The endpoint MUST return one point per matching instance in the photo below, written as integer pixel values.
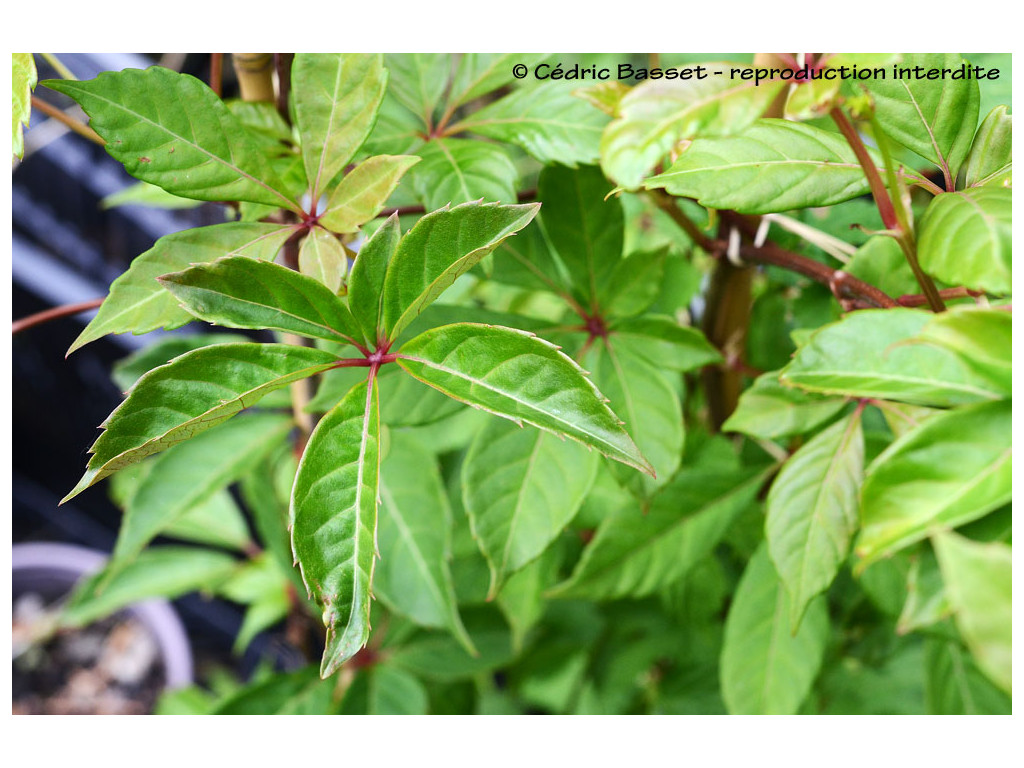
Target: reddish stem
(53, 314)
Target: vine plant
(854, 527)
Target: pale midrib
(800, 379)
(407, 536)
(289, 204)
(759, 164)
(517, 510)
(834, 465)
(144, 449)
(572, 429)
(324, 145)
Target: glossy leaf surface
(138, 303)
(966, 238)
(772, 166)
(455, 171)
(657, 115)
(191, 394)
(441, 247)
(334, 520)
(934, 119)
(171, 130)
(323, 258)
(241, 293)
(872, 353)
(520, 377)
(548, 121)
(991, 159)
(952, 469)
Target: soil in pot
(111, 667)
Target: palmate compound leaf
(334, 520)
(441, 247)
(241, 293)
(193, 393)
(139, 304)
(171, 130)
(521, 377)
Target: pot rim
(157, 615)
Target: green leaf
(166, 572)
(171, 130)
(635, 283)
(965, 238)
(635, 553)
(478, 74)
(193, 393)
(398, 131)
(765, 668)
(366, 283)
(954, 686)
(520, 377)
(880, 262)
(982, 338)
(774, 165)
(769, 410)
(261, 586)
(241, 293)
(441, 247)
(979, 584)
(548, 121)
(189, 474)
(990, 162)
(647, 402)
(437, 656)
(655, 116)
(521, 488)
(814, 98)
(23, 80)
(361, 195)
(926, 603)
(218, 521)
(282, 693)
(934, 118)
(952, 469)
(414, 538)
(323, 258)
(866, 354)
(418, 81)
(138, 303)
(529, 261)
(606, 95)
(334, 520)
(384, 689)
(336, 97)
(130, 369)
(665, 343)
(584, 228)
(141, 193)
(811, 512)
(454, 171)
(522, 600)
